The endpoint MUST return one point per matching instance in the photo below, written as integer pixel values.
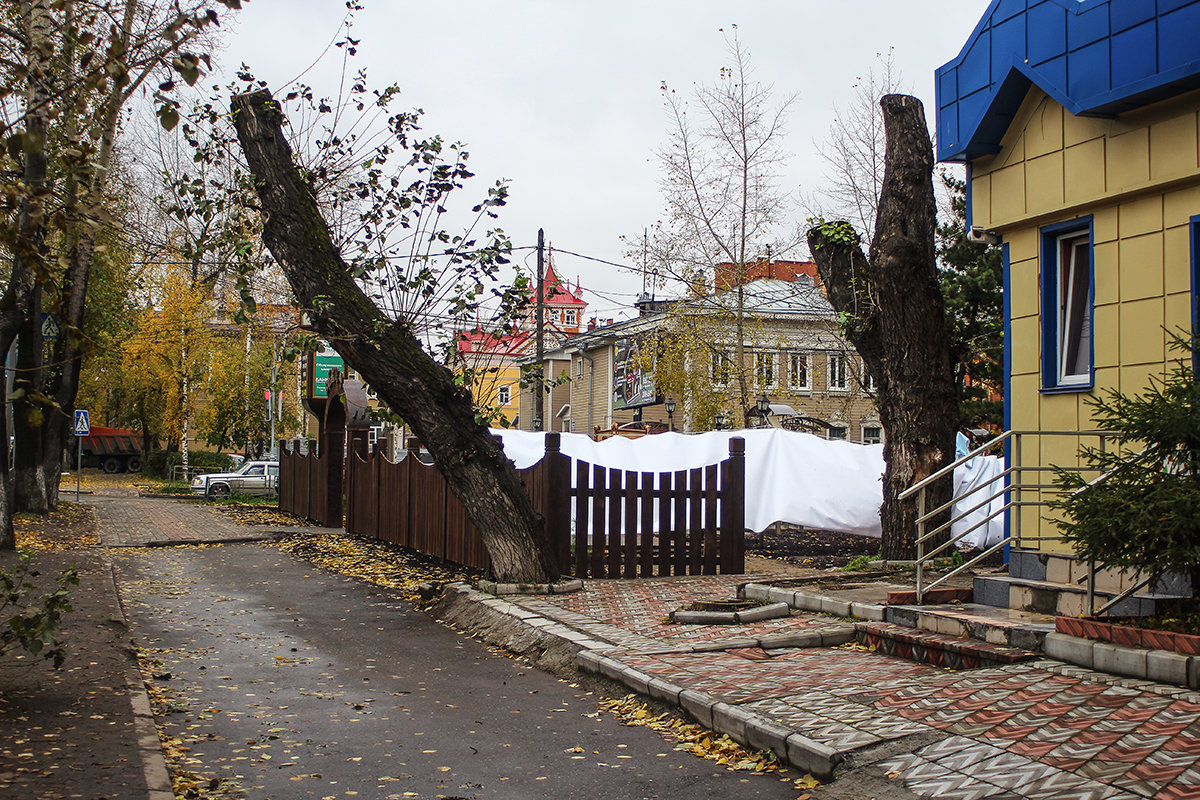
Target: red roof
(725, 276)
(480, 341)
(558, 293)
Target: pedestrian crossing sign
(83, 425)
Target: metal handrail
(1013, 486)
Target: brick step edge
(937, 649)
(933, 597)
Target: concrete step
(1060, 599)
(1007, 627)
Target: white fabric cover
(974, 482)
(791, 477)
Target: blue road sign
(83, 426)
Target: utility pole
(538, 390)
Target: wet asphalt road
(284, 681)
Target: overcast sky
(562, 96)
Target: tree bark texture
(892, 308)
(387, 354)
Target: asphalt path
(281, 680)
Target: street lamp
(764, 408)
(722, 421)
(671, 413)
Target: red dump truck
(112, 449)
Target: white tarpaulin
(796, 478)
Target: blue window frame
(1067, 273)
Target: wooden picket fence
(606, 523)
(303, 482)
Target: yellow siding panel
(1142, 215)
(1181, 205)
(1060, 412)
(1082, 129)
(1084, 170)
(1135, 379)
(1173, 147)
(1104, 224)
(1107, 379)
(981, 201)
(1177, 260)
(1008, 194)
(1106, 289)
(1025, 333)
(1044, 183)
(1024, 402)
(1106, 330)
(1128, 160)
(1043, 132)
(1141, 267)
(1178, 313)
(1141, 332)
(1023, 285)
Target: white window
(504, 395)
(719, 367)
(579, 367)
(764, 370)
(1074, 309)
(838, 372)
(868, 380)
(872, 434)
(798, 372)
(570, 317)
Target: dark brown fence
(304, 486)
(624, 524)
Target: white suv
(253, 478)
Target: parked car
(256, 478)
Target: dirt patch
(806, 547)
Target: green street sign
(324, 360)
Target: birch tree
(720, 182)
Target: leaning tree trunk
(387, 354)
(895, 317)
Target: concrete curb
(807, 601)
(154, 763)
(746, 728)
(1160, 666)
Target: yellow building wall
(1139, 178)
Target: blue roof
(1094, 57)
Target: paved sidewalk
(1038, 729)
(153, 521)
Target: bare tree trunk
(387, 354)
(895, 317)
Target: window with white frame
(720, 367)
(868, 380)
(504, 395)
(764, 369)
(570, 318)
(872, 434)
(579, 367)
(799, 370)
(839, 373)
(1067, 305)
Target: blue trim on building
(1194, 227)
(1006, 274)
(1048, 312)
(1094, 57)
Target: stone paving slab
(1038, 729)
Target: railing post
(733, 509)
(1018, 504)
(921, 546)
